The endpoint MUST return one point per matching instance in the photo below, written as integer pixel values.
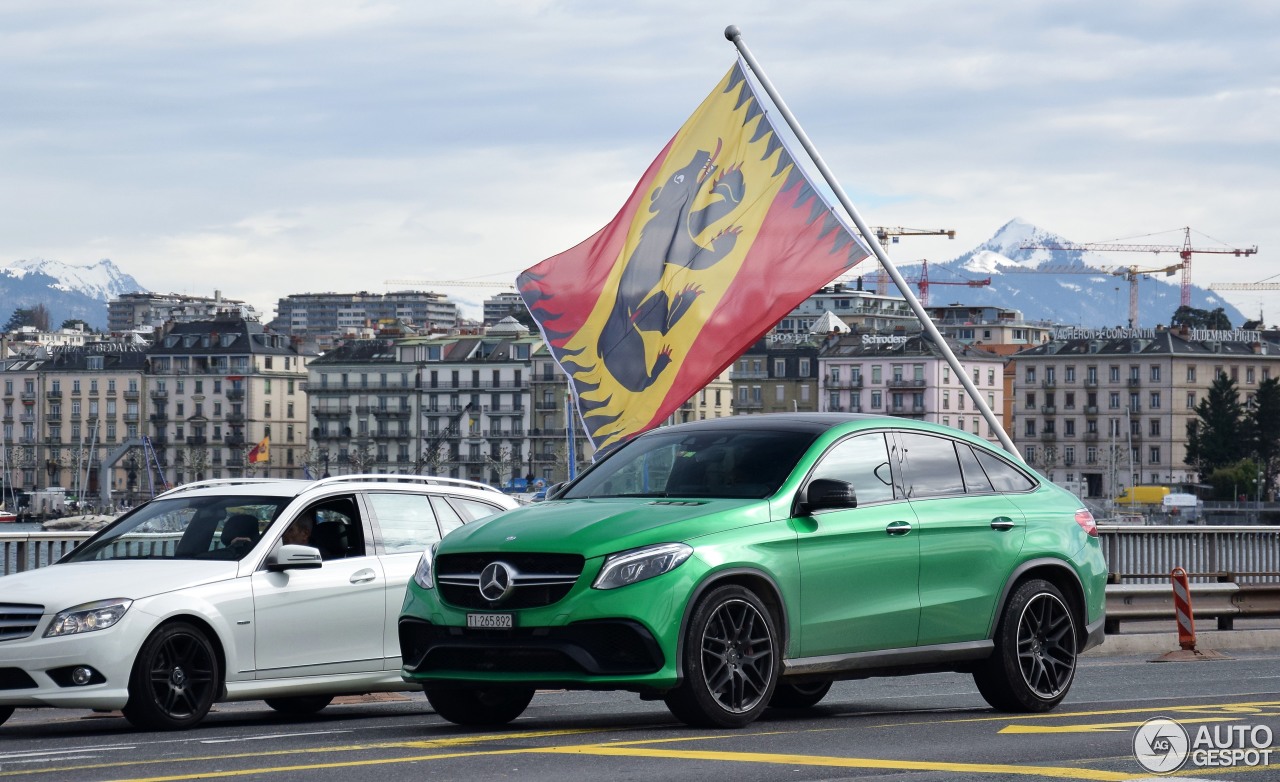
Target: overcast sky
(270, 147)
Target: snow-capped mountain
(1072, 295)
(67, 290)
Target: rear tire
(300, 705)
(175, 679)
(1035, 656)
(798, 696)
(731, 661)
(480, 706)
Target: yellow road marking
(1098, 727)
(424, 744)
(1255, 708)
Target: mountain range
(1078, 291)
(68, 291)
(1088, 296)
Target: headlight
(88, 617)
(423, 576)
(628, 567)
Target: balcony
(387, 412)
(235, 394)
(28, 396)
(131, 418)
(1048, 409)
(235, 418)
(55, 393)
(1048, 436)
(159, 418)
(159, 393)
(233, 440)
(749, 374)
(159, 440)
(1091, 437)
(1091, 382)
(900, 383)
(1133, 382)
(1091, 410)
(748, 404)
(340, 411)
(1049, 384)
(131, 394)
(197, 439)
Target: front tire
(731, 661)
(175, 679)
(1034, 662)
(300, 705)
(480, 706)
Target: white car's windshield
(747, 463)
(209, 527)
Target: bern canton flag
(722, 237)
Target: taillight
(1085, 519)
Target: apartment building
(905, 374)
(1109, 408)
(216, 389)
(778, 374)
(150, 311)
(325, 317)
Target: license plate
(501, 621)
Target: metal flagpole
(735, 36)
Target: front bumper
(623, 638)
(34, 671)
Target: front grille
(15, 679)
(609, 647)
(18, 620)
(541, 579)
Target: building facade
(326, 317)
(215, 389)
(904, 374)
(151, 311)
(1109, 408)
(778, 374)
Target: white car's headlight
(86, 618)
(423, 575)
(628, 567)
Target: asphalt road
(913, 729)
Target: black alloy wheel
(175, 679)
(1034, 662)
(731, 661)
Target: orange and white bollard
(1186, 623)
(1182, 609)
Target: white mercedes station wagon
(286, 591)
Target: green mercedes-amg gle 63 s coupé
(736, 564)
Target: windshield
(747, 463)
(222, 527)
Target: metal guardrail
(30, 550)
(1146, 554)
(1223, 602)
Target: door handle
(898, 528)
(1002, 523)
(363, 576)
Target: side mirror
(554, 489)
(293, 557)
(825, 493)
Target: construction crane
(1184, 251)
(922, 283)
(886, 236)
(1245, 286)
(453, 284)
(1131, 273)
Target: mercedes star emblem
(496, 581)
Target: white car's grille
(18, 621)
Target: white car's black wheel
(300, 705)
(480, 706)
(1035, 656)
(798, 696)
(731, 661)
(175, 679)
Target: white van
(1186, 505)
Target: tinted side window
(932, 467)
(864, 462)
(1004, 476)
(406, 521)
(975, 480)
